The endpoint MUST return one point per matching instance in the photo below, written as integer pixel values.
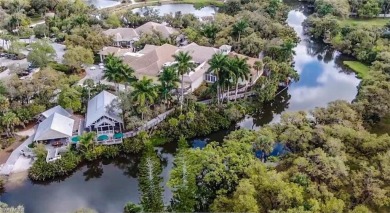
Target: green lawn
(365, 22)
(359, 68)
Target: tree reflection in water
(265, 114)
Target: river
(107, 185)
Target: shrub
(208, 119)
(41, 170)
(136, 144)
(61, 67)
(111, 151)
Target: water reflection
(322, 79)
(105, 185)
(103, 3)
(183, 8)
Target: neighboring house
(55, 132)
(122, 37)
(57, 109)
(125, 37)
(152, 59)
(104, 119)
(151, 27)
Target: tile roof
(199, 53)
(150, 26)
(152, 62)
(122, 34)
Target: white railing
(210, 78)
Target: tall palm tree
(227, 78)
(127, 74)
(87, 140)
(113, 70)
(10, 120)
(145, 93)
(183, 65)
(239, 28)
(168, 79)
(218, 64)
(241, 70)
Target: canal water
(107, 185)
(100, 4)
(183, 8)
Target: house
(125, 37)
(122, 37)
(57, 109)
(151, 60)
(104, 119)
(200, 55)
(151, 27)
(55, 132)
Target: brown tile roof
(152, 62)
(150, 26)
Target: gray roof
(57, 109)
(98, 107)
(122, 34)
(199, 53)
(54, 127)
(149, 27)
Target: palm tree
(168, 80)
(239, 28)
(258, 65)
(183, 65)
(210, 31)
(128, 74)
(227, 77)
(287, 49)
(240, 69)
(87, 140)
(112, 71)
(218, 64)
(145, 92)
(10, 120)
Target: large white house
(104, 119)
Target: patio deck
(111, 139)
(54, 152)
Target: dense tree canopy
(333, 165)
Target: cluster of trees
(22, 100)
(333, 165)
(345, 8)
